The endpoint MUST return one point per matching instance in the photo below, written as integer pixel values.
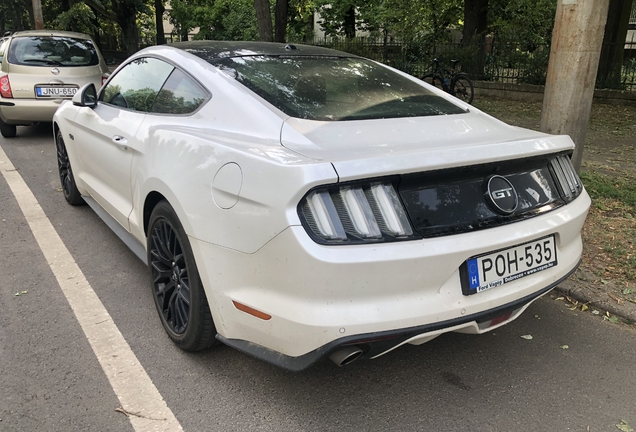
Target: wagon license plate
(507, 265)
(53, 91)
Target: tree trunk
(611, 62)
(159, 10)
(18, 17)
(280, 27)
(475, 27)
(264, 20)
(574, 54)
(350, 23)
(37, 14)
(128, 26)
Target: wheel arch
(152, 199)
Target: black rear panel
(457, 200)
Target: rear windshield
(334, 88)
(52, 51)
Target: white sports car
(298, 203)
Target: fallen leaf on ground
(526, 337)
(624, 426)
(584, 307)
(618, 300)
(564, 347)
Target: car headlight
(356, 213)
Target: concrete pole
(37, 14)
(576, 47)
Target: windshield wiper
(45, 61)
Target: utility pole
(569, 89)
(37, 15)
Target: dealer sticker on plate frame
(497, 268)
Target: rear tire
(176, 285)
(463, 89)
(7, 130)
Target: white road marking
(137, 394)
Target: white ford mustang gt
(298, 203)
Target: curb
(627, 311)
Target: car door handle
(121, 142)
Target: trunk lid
(25, 79)
(370, 148)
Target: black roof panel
(212, 50)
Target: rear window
(334, 88)
(52, 51)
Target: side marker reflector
(251, 311)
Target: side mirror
(86, 96)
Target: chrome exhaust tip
(345, 355)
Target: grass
(609, 234)
(602, 187)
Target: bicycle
(458, 85)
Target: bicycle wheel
(434, 80)
(462, 88)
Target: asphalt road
(52, 381)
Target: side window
(136, 85)
(3, 46)
(179, 95)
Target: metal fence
(494, 60)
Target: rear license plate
(54, 91)
(507, 265)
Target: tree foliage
(215, 19)
(404, 19)
(530, 21)
(14, 15)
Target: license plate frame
(55, 92)
(482, 272)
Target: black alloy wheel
(71, 194)
(178, 292)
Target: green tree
(215, 19)
(526, 21)
(405, 19)
(267, 32)
(125, 13)
(15, 15)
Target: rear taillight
(104, 78)
(355, 213)
(5, 87)
(569, 183)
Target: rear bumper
(376, 344)
(322, 297)
(27, 111)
